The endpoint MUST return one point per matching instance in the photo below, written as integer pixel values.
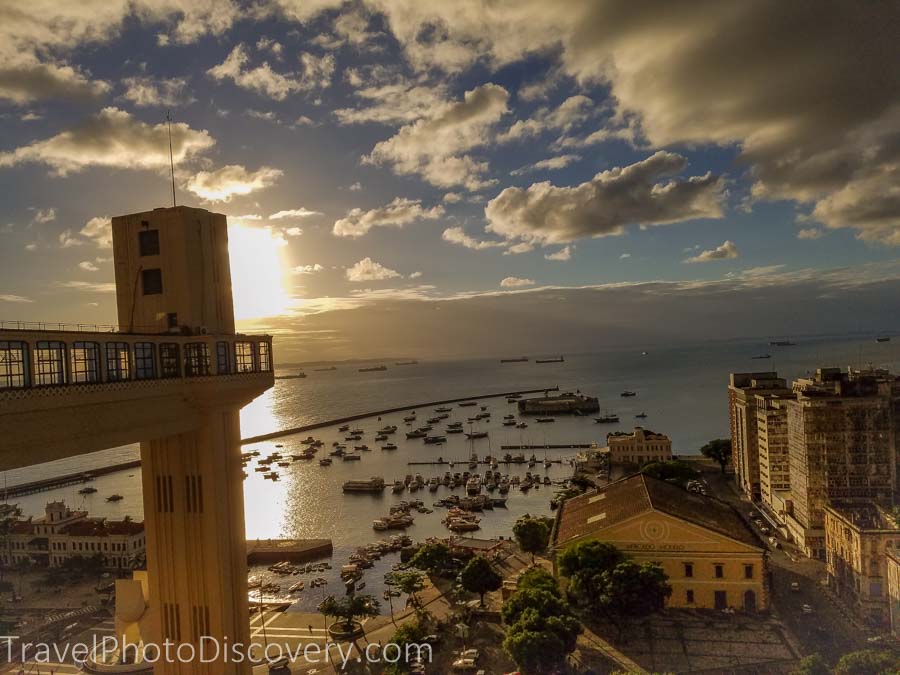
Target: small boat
(389, 446)
(522, 425)
(87, 490)
(762, 356)
(373, 369)
(468, 404)
(416, 434)
(641, 415)
(443, 410)
(509, 423)
(607, 419)
(363, 448)
(345, 427)
(115, 498)
(399, 486)
(545, 420)
(454, 430)
(517, 359)
(559, 360)
(381, 437)
(325, 461)
(627, 393)
(296, 588)
(351, 457)
(411, 362)
(435, 440)
(476, 434)
(883, 338)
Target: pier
(557, 446)
(361, 416)
(480, 461)
(267, 551)
(46, 484)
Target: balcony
(108, 388)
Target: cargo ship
(518, 359)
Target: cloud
(316, 73)
(88, 266)
(415, 275)
(294, 213)
(516, 282)
(294, 231)
(307, 269)
(355, 187)
(389, 98)
(451, 198)
(727, 251)
(564, 253)
(369, 270)
(605, 205)
(14, 298)
(809, 233)
(571, 112)
(44, 215)
(233, 179)
(551, 163)
(112, 138)
(435, 148)
(89, 286)
(399, 212)
(25, 79)
(99, 231)
(145, 91)
(68, 239)
(624, 256)
(521, 247)
(457, 235)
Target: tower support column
(196, 544)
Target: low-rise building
(712, 558)
(638, 447)
(858, 537)
(62, 534)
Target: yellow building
(638, 447)
(712, 558)
(858, 537)
(892, 564)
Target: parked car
(464, 664)
(807, 609)
(795, 586)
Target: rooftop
(866, 515)
(595, 511)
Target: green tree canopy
(432, 557)
(632, 591)
(584, 565)
(674, 471)
(410, 583)
(813, 664)
(479, 576)
(539, 643)
(868, 662)
(532, 534)
(718, 450)
(537, 578)
(545, 602)
(350, 607)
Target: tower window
(196, 359)
(148, 242)
(151, 281)
(85, 362)
(49, 363)
(169, 365)
(118, 361)
(13, 364)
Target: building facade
(892, 564)
(638, 447)
(711, 557)
(774, 457)
(858, 538)
(841, 444)
(744, 390)
(62, 534)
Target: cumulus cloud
(563, 254)
(436, 148)
(727, 251)
(624, 256)
(369, 270)
(388, 97)
(145, 91)
(112, 138)
(307, 269)
(88, 266)
(294, 231)
(549, 164)
(294, 213)
(399, 212)
(233, 179)
(99, 231)
(44, 215)
(516, 282)
(571, 112)
(68, 239)
(638, 194)
(262, 79)
(820, 132)
(457, 235)
(25, 79)
(14, 298)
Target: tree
(479, 576)
(813, 664)
(584, 565)
(532, 535)
(718, 450)
(410, 583)
(349, 608)
(673, 471)
(632, 591)
(537, 578)
(433, 557)
(544, 602)
(408, 634)
(867, 662)
(539, 643)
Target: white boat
(399, 486)
(473, 486)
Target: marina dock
(557, 446)
(263, 551)
(46, 484)
(352, 418)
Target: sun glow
(257, 272)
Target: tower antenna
(171, 160)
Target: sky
(431, 178)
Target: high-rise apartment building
(774, 457)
